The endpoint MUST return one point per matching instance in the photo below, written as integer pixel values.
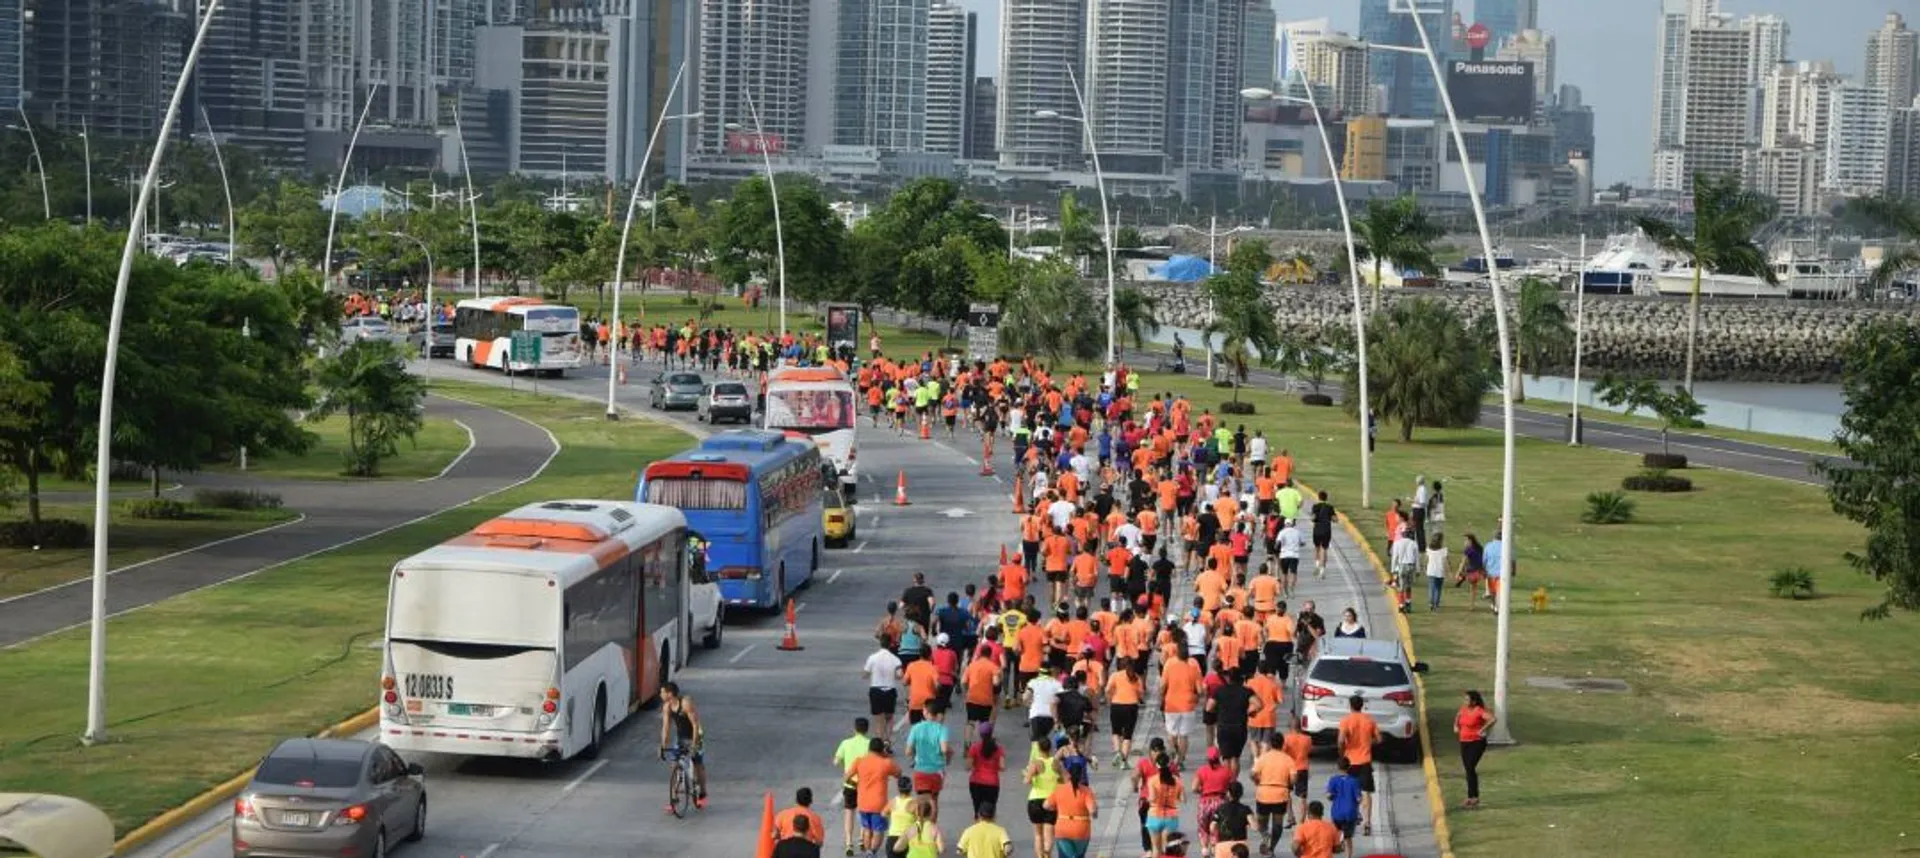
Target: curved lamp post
(1214, 233)
(626, 231)
(1100, 183)
(46, 202)
(426, 352)
(333, 209)
(103, 449)
(86, 154)
(1353, 274)
(773, 192)
(473, 199)
(225, 187)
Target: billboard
(749, 143)
(843, 328)
(1491, 91)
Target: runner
(1316, 837)
(1124, 689)
(982, 680)
(1343, 802)
(870, 774)
(985, 838)
(986, 759)
(1358, 734)
(1231, 822)
(1043, 777)
(1323, 515)
(1180, 686)
(1210, 784)
(1074, 807)
(930, 750)
(1163, 803)
(883, 671)
(850, 751)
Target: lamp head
(1047, 114)
(734, 126)
(1256, 93)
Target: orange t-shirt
(1316, 838)
(816, 830)
(1265, 590)
(1169, 491)
(1272, 776)
(1123, 689)
(1086, 570)
(1268, 690)
(1211, 585)
(1013, 583)
(1264, 487)
(983, 678)
(1358, 733)
(1221, 554)
(871, 774)
(922, 680)
(1149, 522)
(1074, 808)
(1180, 685)
(1117, 559)
(1298, 745)
(1033, 647)
(1227, 510)
(1057, 549)
(1279, 629)
(1227, 649)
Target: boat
(1626, 265)
(1502, 260)
(1799, 276)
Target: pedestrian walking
(1471, 725)
(883, 671)
(1436, 563)
(986, 759)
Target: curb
(1436, 801)
(169, 820)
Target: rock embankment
(1740, 339)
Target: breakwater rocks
(1740, 339)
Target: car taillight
(549, 707)
(1315, 692)
(243, 808)
(1404, 698)
(351, 816)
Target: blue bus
(752, 498)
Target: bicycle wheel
(679, 790)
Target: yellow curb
(1436, 801)
(167, 821)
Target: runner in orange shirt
(1358, 735)
(1086, 575)
(983, 679)
(1124, 688)
(1316, 838)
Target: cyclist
(681, 721)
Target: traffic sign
(1478, 36)
(983, 331)
(525, 347)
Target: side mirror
(416, 770)
(1419, 667)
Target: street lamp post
(1100, 184)
(86, 155)
(26, 124)
(340, 184)
(1501, 733)
(1579, 333)
(1213, 235)
(773, 192)
(473, 204)
(626, 230)
(426, 350)
(103, 447)
(225, 186)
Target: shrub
(1231, 407)
(52, 533)
(1223, 383)
(1608, 508)
(129, 472)
(162, 509)
(1320, 400)
(1656, 480)
(1664, 461)
(241, 499)
(1794, 583)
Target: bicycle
(682, 786)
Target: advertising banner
(1491, 91)
(983, 331)
(843, 328)
(749, 143)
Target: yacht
(1799, 276)
(1626, 265)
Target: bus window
(689, 493)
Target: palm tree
(1051, 314)
(1725, 217)
(1243, 322)
(1540, 330)
(1902, 216)
(1424, 368)
(1135, 314)
(1396, 231)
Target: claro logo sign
(1472, 68)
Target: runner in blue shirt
(928, 747)
(1343, 799)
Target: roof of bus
(734, 454)
(806, 373)
(509, 302)
(566, 539)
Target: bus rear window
(697, 494)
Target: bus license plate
(459, 709)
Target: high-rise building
(1294, 36)
(1790, 174)
(881, 75)
(105, 63)
(1540, 49)
(1572, 121)
(1505, 19)
(1259, 45)
(950, 38)
(982, 119)
(1669, 75)
(1126, 83)
(1766, 48)
(1203, 84)
(1365, 158)
(1893, 60)
(1857, 140)
(1411, 89)
(1039, 41)
(1903, 151)
(1717, 100)
(1798, 104)
(13, 52)
(1337, 66)
(249, 88)
(1670, 169)
(753, 60)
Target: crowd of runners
(1147, 592)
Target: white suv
(1376, 670)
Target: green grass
(1591, 412)
(23, 570)
(201, 685)
(1755, 726)
(439, 441)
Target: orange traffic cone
(900, 490)
(622, 371)
(1019, 489)
(763, 847)
(790, 643)
(1003, 554)
(986, 458)
(926, 429)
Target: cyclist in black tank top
(680, 721)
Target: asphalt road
(774, 717)
(506, 451)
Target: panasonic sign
(1463, 67)
(1496, 92)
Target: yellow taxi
(836, 518)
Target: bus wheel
(599, 724)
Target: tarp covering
(1183, 269)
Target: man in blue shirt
(1492, 554)
(1343, 800)
(927, 746)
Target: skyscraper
(1798, 104)
(1126, 83)
(881, 75)
(1857, 140)
(1203, 84)
(950, 40)
(1337, 66)
(753, 53)
(982, 119)
(1411, 89)
(1766, 48)
(13, 56)
(1717, 102)
(1893, 60)
(1040, 40)
(1542, 51)
(110, 63)
(1259, 45)
(1294, 36)
(1903, 152)
(1505, 19)
(250, 83)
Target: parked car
(329, 797)
(837, 520)
(726, 400)
(675, 390)
(364, 328)
(438, 344)
(1374, 670)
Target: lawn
(131, 540)
(1754, 726)
(201, 685)
(438, 443)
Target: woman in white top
(1349, 626)
(1436, 563)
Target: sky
(1606, 47)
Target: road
(506, 451)
(775, 717)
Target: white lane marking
(741, 654)
(835, 576)
(488, 852)
(837, 799)
(799, 606)
(590, 772)
(863, 543)
(471, 443)
(132, 566)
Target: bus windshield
(810, 410)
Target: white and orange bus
(483, 331)
(537, 632)
(818, 403)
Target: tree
(369, 383)
(1874, 485)
(1424, 368)
(1128, 238)
(1079, 231)
(286, 224)
(1250, 257)
(1541, 333)
(1676, 410)
(1725, 217)
(1051, 313)
(1243, 322)
(1397, 231)
(1135, 315)
(745, 246)
(1901, 216)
